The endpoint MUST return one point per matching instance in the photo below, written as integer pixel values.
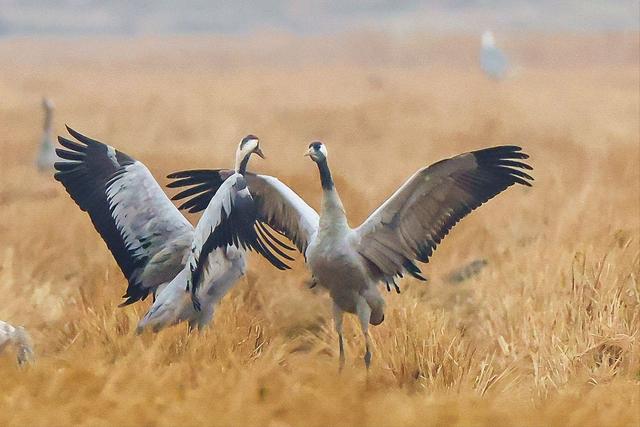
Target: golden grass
(547, 334)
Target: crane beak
(259, 152)
(307, 153)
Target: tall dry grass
(547, 334)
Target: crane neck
(241, 166)
(48, 119)
(325, 175)
(332, 212)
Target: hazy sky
(310, 17)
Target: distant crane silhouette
(47, 152)
(492, 60)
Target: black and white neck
(325, 175)
(248, 146)
(332, 214)
(241, 167)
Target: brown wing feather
(415, 219)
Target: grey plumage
(212, 268)
(156, 248)
(148, 237)
(409, 225)
(216, 258)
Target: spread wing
(229, 219)
(413, 221)
(128, 208)
(277, 205)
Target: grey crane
(217, 259)
(149, 238)
(407, 227)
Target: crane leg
(364, 315)
(337, 318)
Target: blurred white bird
(47, 152)
(492, 61)
(19, 338)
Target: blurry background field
(546, 334)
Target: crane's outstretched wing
(277, 205)
(413, 221)
(144, 231)
(229, 219)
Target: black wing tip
(500, 159)
(252, 238)
(134, 293)
(180, 174)
(271, 244)
(195, 204)
(413, 270)
(501, 150)
(203, 185)
(128, 301)
(77, 135)
(257, 245)
(65, 166)
(265, 228)
(191, 172)
(237, 228)
(61, 151)
(523, 182)
(80, 138)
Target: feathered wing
(413, 221)
(144, 231)
(229, 219)
(277, 205)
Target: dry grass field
(547, 334)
